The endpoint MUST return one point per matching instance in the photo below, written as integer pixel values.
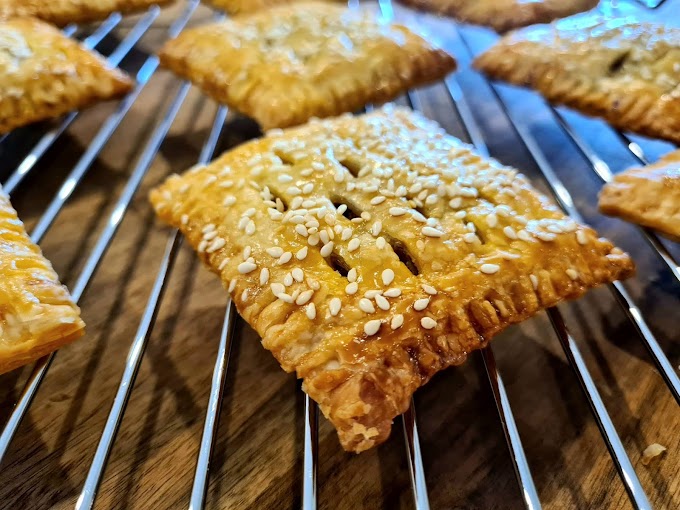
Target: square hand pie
(287, 64)
(37, 315)
(620, 69)
(649, 195)
(63, 12)
(235, 7)
(371, 252)
(44, 74)
(504, 15)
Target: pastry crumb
(651, 452)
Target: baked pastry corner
(504, 15)
(285, 65)
(620, 69)
(648, 195)
(371, 252)
(37, 315)
(44, 74)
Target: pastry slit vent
(281, 204)
(352, 165)
(479, 232)
(285, 157)
(349, 212)
(339, 264)
(617, 64)
(404, 255)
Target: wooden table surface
(257, 461)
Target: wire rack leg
(311, 455)
(415, 459)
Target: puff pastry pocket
(504, 15)
(37, 315)
(371, 252)
(44, 74)
(649, 196)
(63, 12)
(621, 69)
(235, 7)
(287, 64)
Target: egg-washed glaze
(370, 252)
(63, 12)
(504, 15)
(235, 7)
(44, 74)
(37, 315)
(649, 195)
(623, 70)
(287, 64)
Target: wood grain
(258, 456)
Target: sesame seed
(285, 258)
(250, 212)
(275, 251)
(302, 253)
(524, 235)
(308, 188)
(372, 327)
(460, 215)
(294, 190)
(335, 305)
(428, 322)
(223, 264)
(304, 297)
(397, 211)
(581, 237)
(545, 236)
(393, 292)
(317, 165)
(418, 216)
(509, 232)
(366, 306)
(285, 178)
(378, 200)
(491, 220)
(208, 228)
(397, 321)
(370, 294)
(382, 303)
(310, 311)
(243, 222)
(250, 228)
(366, 216)
(376, 228)
(431, 199)
(264, 276)
(455, 203)
(209, 236)
(302, 230)
(274, 214)
(470, 238)
(246, 252)
(244, 295)
(286, 298)
(534, 281)
(216, 245)
(246, 267)
(325, 238)
(432, 232)
(421, 304)
(327, 249)
(342, 208)
(352, 288)
(298, 274)
(313, 239)
(490, 268)
(296, 219)
(352, 275)
(232, 285)
(380, 243)
(387, 276)
(288, 280)
(572, 273)
(277, 288)
(346, 233)
(354, 244)
(429, 289)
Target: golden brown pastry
(63, 12)
(235, 7)
(37, 315)
(371, 252)
(504, 15)
(287, 64)
(649, 195)
(44, 74)
(623, 70)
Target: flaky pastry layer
(649, 196)
(63, 12)
(504, 15)
(620, 69)
(37, 315)
(44, 74)
(284, 65)
(370, 252)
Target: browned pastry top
(44, 74)
(63, 12)
(37, 315)
(284, 65)
(649, 195)
(621, 69)
(235, 7)
(370, 252)
(504, 15)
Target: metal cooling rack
(410, 428)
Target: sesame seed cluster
(355, 240)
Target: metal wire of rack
(146, 325)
